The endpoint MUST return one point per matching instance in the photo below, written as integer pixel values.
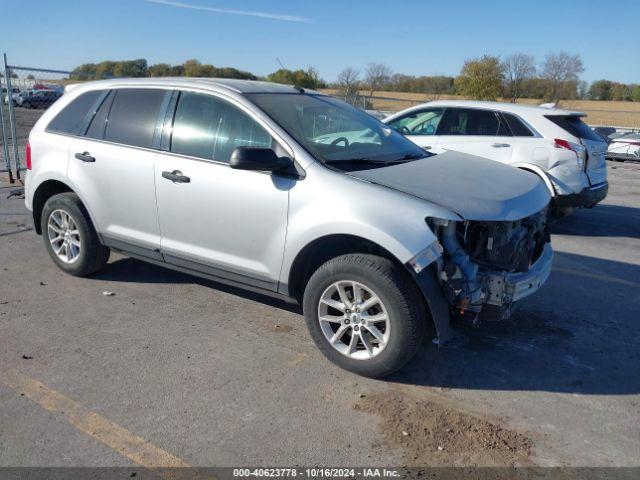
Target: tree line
(191, 68)
(489, 77)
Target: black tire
(400, 296)
(93, 255)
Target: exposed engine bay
(487, 266)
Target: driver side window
(421, 122)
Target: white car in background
(625, 147)
(553, 143)
(18, 99)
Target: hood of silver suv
(473, 187)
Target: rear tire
(69, 236)
(365, 314)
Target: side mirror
(259, 159)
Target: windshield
(335, 132)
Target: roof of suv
(505, 107)
(232, 84)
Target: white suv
(553, 143)
(259, 185)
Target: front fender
(393, 220)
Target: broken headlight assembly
(491, 263)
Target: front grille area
(505, 246)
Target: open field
(620, 114)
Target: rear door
(475, 131)
(113, 168)
(420, 126)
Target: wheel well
(44, 192)
(324, 249)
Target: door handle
(176, 176)
(428, 147)
(500, 145)
(85, 157)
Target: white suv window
(71, 117)
(473, 121)
(133, 116)
(421, 122)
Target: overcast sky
(417, 37)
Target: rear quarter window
(575, 126)
(71, 117)
(518, 128)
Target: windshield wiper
(414, 156)
(360, 160)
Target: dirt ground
(431, 433)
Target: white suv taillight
(579, 150)
(27, 156)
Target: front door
(214, 219)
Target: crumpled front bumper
(503, 288)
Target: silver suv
(291, 193)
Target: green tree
(480, 78)
(600, 90)
(300, 78)
(131, 68)
(635, 93)
(160, 70)
(620, 92)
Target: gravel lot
(210, 375)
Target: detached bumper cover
(588, 197)
(506, 288)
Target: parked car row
(32, 98)
(382, 231)
(623, 145)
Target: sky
(416, 37)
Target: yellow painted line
(595, 276)
(130, 446)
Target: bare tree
(376, 76)
(348, 82)
(517, 68)
(559, 69)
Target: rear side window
(71, 117)
(471, 121)
(518, 128)
(575, 126)
(133, 116)
(207, 127)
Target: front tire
(69, 236)
(365, 314)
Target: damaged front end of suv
(487, 266)
(492, 250)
